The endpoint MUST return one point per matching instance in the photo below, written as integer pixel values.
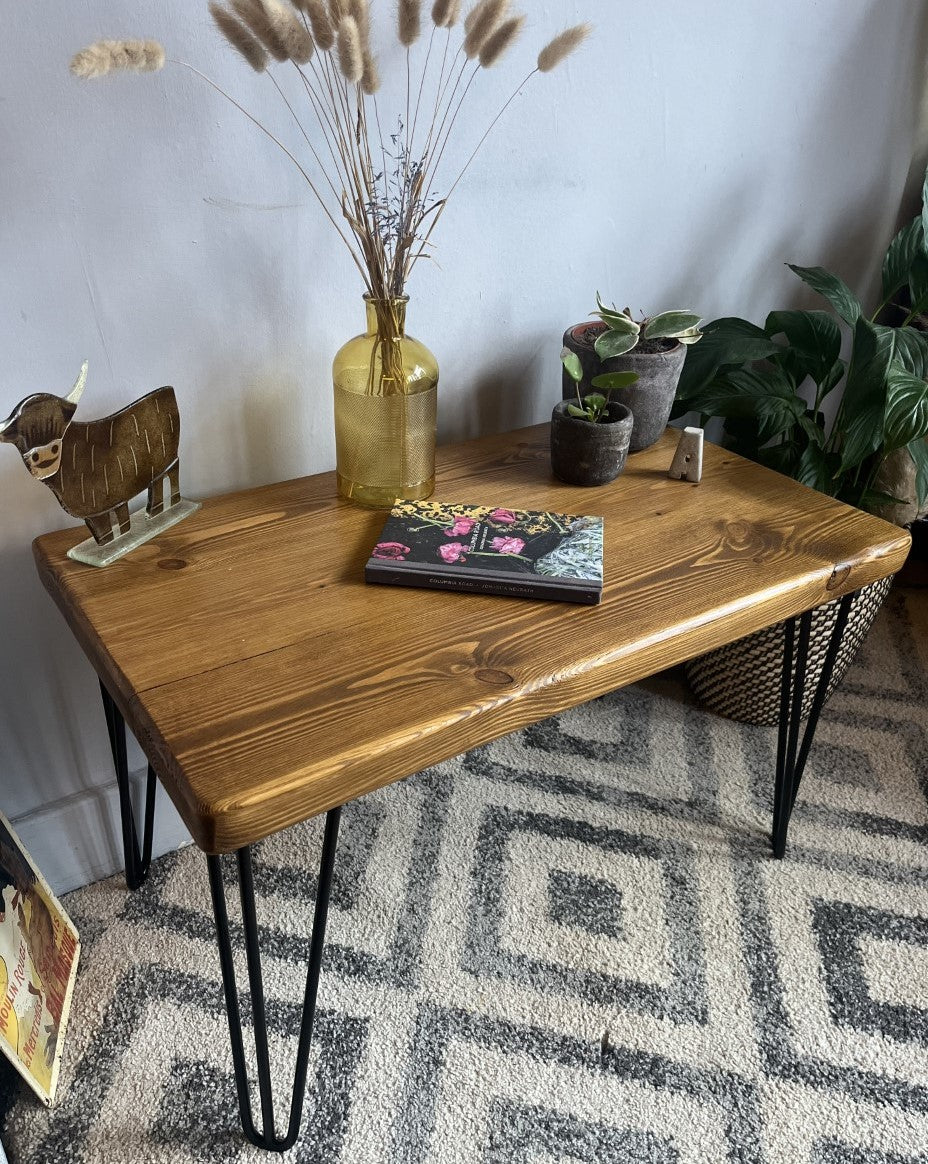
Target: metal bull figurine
(95, 468)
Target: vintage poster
(39, 948)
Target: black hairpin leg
(791, 754)
(267, 1137)
(136, 861)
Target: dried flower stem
(385, 212)
(280, 145)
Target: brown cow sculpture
(95, 468)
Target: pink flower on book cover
(393, 551)
(503, 517)
(508, 545)
(462, 526)
(452, 552)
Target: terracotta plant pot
(658, 364)
(584, 453)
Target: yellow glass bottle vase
(386, 395)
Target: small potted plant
(590, 438)
(653, 348)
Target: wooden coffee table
(267, 683)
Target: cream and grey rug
(569, 947)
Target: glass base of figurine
(142, 529)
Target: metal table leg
(791, 755)
(136, 861)
(267, 1138)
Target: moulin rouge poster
(39, 949)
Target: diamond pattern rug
(571, 946)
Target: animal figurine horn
(95, 468)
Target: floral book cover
(39, 949)
(486, 550)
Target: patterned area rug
(570, 947)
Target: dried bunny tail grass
(410, 21)
(499, 41)
(107, 56)
(255, 15)
(338, 9)
(319, 22)
(361, 11)
(446, 13)
(350, 56)
(487, 15)
(239, 37)
(562, 46)
(293, 33)
(370, 79)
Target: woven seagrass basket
(742, 680)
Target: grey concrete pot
(583, 453)
(650, 399)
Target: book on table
(485, 549)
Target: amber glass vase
(386, 391)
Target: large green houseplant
(769, 384)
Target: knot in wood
(839, 576)
(494, 678)
(172, 564)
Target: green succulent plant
(623, 333)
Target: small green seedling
(593, 407)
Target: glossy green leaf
(614, 380)
(906, 409)
(833, 378)
(815, 431)
(764, 396)
(670, 324)
(918, 284)
(864, 405)
(575, 410)
(908, 244)
(918, 450)
(874, 499)
(620, 323)
(725, 342)
(815, 469)
(910, 350)
(615, 343)
(595, 400)
(617, 320)
(571, 362)
(835, 290)
(814, 339)
(784, 457)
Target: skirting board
(77, 840)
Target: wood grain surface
(267, 682)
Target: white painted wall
(680, 161)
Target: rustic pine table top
(268, 683)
